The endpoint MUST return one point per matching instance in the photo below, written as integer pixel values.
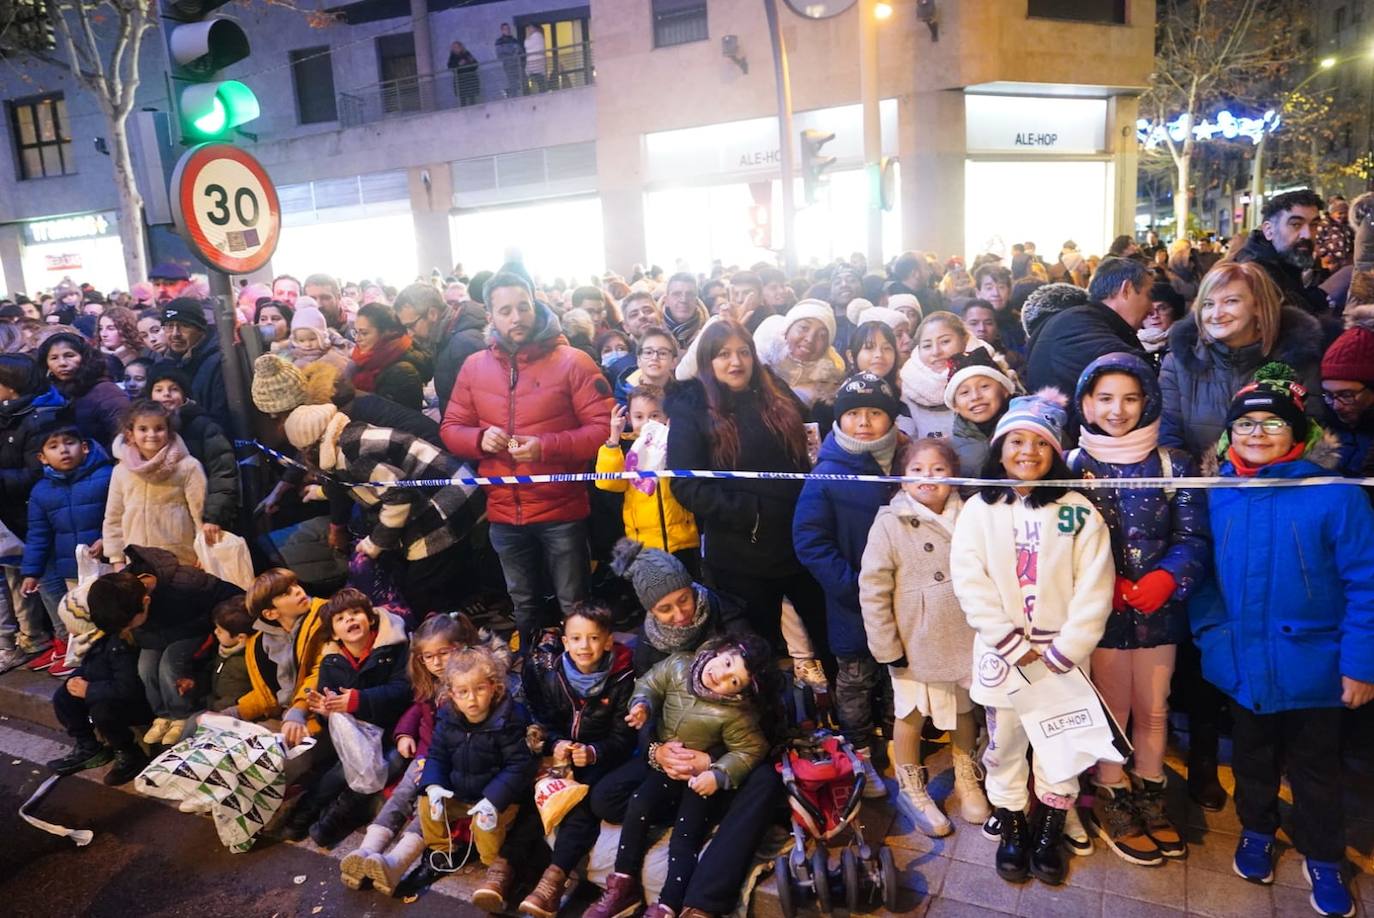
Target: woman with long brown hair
(737, 416)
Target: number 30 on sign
(226, 207)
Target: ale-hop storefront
(85, 248)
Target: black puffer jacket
(208, 444)
(464, 337)
(382, 680)
(491, 759)
(1288, 277)
(204, 366)
(597, 720)
(110, 667)
(745, 525)
(20, 420)
(182, 599)
(1065, 344)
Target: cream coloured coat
(162, 504)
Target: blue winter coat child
(829, 532)
(491, 759)
(1291, 608)
(66, 509)
(1151, 528)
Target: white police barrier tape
(1205, 483)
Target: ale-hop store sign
(1034, 125)
(62, 229)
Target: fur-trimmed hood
(1324, 453)
(1299, 343)
(1360, 317)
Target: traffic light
(199, 46)
(813, 163)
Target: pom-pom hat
(1044, 413)
(865, 390)
(977, 362)
(1276, 391)
(278, 386)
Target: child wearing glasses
(1286, 628)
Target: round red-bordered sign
(226, 207)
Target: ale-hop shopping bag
(1069, 727)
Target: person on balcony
(466, 83)
(508, 51)
(536, 60)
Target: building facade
(633, 138)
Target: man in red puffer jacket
(530, 405)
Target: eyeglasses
(436, 656)
(1344, 397)
(1270, 426)
(656, 353)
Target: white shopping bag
(88, 568)
(359, 747)
(1069, 727)
(227, 559)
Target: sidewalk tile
(920, 873)
(1092, 872)
(970, 846)
(1226, 895)
(1289, 901)
(979, 884)
(953, 908)
(1038, 900)
(1118, 907)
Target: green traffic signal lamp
(211, 110)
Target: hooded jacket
(490, 760)
(462, 338)
(1198, 379)
(597, 720)
(110, 668)
(182, 599)
(657, 519)
(1151, 529)
(207, 443)
(1288, 278)
(830, 530)
(381, 679)
(20, 421)
(265, 697)
(1291, 608)
(545, 389)
(157, 502)
(66, 509)
(204, 366)
(99, 411)
(1067, 342)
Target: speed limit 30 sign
(226, 207)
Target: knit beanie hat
(171, 374)
(977, 362)
(305, 425)
(654, 573)
(277, 385)
(886, 315)
(855, 310)
(1277, 391)
(813, 309)
(1043, 413)
(865, 390)
(1047, 301)
(901, 301)
(1351, 356)
(186, 310)
(308, 315)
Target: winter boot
(88, 754)
(874, 788)
(810, 673)
(353, 868)
(1118, 823)
(914, 800)
(1149, 803)
(1013, 852)
(154, 735)
(491, 893)
(1047, 845)
(622, 896)
(339, 818)
(127, 764)
(973, 802)
(386, 870)
(659, 910)
(546, 898)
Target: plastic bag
(556, 792)
(227, 559)
(359, 746)
(88, 568)
(1068, 725)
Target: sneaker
(44, 659)
(1254, 860)
(914, 800)
(1119, 825)
(154, 735)
(9, 659)
(992, 827)
(127, 765)
(874, 788)
(1149, 803)
(1076, 838)
(84, 757)
(60, 668)
(1329, 895)
(811, 673)
(174, 731)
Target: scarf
(686, 331)
(674, 638)
(1153, 339)
(1246, 470)
(881, 449)
(699, 689)
(370, 363)
(157, 468)
(923, 386)
(1124, 450)
(585, 685)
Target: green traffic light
(211, 109)
(213, 121)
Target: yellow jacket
(657, 519)
(261, 702)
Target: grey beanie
(1048, 301)
(654, 573)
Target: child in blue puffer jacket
(1286, 629)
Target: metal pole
(873, 135)
(235, 380)
(786, 137)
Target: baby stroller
(824, 780)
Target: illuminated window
(42, 136)
(677, 22)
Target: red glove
(1152, 591)
(1120, 591)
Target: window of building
(312, 73)
(677, 22)
(1340, 20)
(399, 72)
(567, 44)
(1111, 12)
(42, 136)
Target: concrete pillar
(431, 190)
(619, 167)
(931, 148)
(11, 258)
(1122, 112)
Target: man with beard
(846, 283)
(1283, 246)
(170, 280)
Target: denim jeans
(160, 669)
(526, 553)
(51, 589)
(20, 616)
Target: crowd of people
(903, 608)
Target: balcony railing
(565, 67)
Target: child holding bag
(916, 628)
(157, 491)
(1033, 571)
(1160, 544)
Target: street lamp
(1327, 63)
(882, 11)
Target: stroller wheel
(820, 875)
(849, 866)
(888, 868)
(782, 876)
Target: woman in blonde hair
(1238, 324)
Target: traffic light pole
(785, 137)
(235, 380)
